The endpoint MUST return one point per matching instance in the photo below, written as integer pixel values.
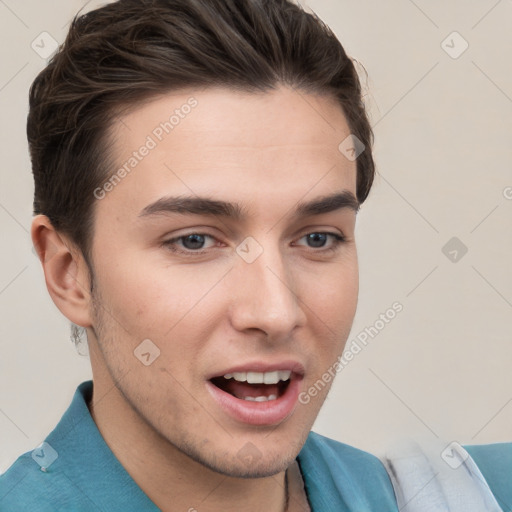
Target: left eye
(191, 242)
(194, 242)
(320, 239)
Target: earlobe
(65, 271)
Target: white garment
(437, 477)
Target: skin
(205, 313)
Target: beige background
(441, 368)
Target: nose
(265, 295)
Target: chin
(246, 462)
(264, 467)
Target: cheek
(331, 303)
(167, 304)
(333, 293)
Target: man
(198, 168)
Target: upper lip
(260, 366)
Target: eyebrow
(186, 205)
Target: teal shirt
(82, 474)
(495, 463)
(86, 476)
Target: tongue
(244, 389)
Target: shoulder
(495, 463)
(343, 455)
(345, 474)
(24, 486)
(45, 478)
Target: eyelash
(170, 244)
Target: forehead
(260, 147)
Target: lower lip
(271, 412)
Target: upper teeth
(259, 377)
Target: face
(224, 286)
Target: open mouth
(259, 398)
(254, 386)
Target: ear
(65, 271)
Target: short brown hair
(131, 50)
